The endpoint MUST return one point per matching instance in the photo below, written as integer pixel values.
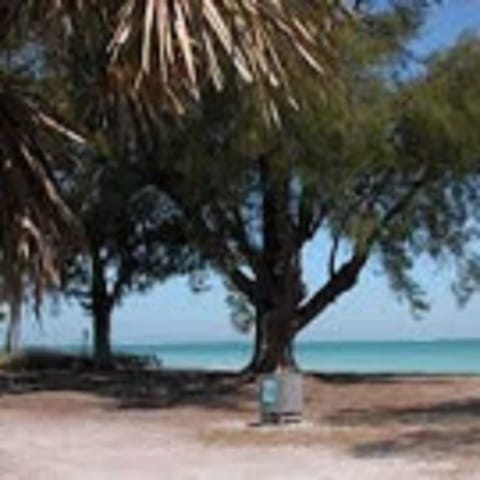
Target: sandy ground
(355, 428)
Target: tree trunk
(9, 343)
(101, 308)
(12, 337)
(273, 348)
(102, 341)
(269, 360)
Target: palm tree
(33, 217)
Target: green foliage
(133, 232)
(385, 167)
(133, 237)
(242, 314)
(41, 360)
(383, 162)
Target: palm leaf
(34, 219)
(184, 44)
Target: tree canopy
(146, 53)
(132, 242)
(382, 164)
(381, 161)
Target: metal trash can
(280, 397)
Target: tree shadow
(139, 388)
(377, 378)
(433, 430)
(424, 442)
(443, 413)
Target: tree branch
(345, 278)
(342, 281)
(399, 207)
(333, 256)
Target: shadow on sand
(139, 388)
(432, 429)
(377, 378)
(437, 429)
(426, 442)
(443, 413)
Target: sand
(370, 428)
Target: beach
(239, 240)
(187, 425)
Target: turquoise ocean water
(436, 357)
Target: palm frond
(184, 44)
(34, 219)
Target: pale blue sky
(171, 313)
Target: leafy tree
(131, 234)
(132, 242)
(172, 47)
(453, 73)
(377, 165)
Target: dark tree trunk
(101, 308)
(102, 341)
(10, 343)
(269, 359)
(280, 288)
(273, 347)
(12, 338)
(282, 311)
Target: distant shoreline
(435, 357)
(248, 343)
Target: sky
(171, 313)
